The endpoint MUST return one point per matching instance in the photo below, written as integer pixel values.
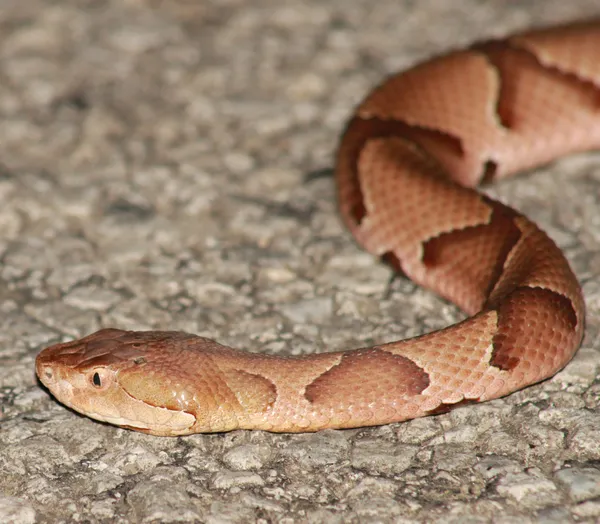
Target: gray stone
(236, 479)
(247, 456)
(16, 510)
(163, 166)
(529, 488)
(161, 502)
(581, 483)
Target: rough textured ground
(164, 165)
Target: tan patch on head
(255, 393)
(367, 375)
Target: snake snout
(45, 373)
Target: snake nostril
(48, 373)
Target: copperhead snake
(406, 166)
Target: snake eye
(100, 378)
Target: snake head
(115, 376)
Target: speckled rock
(581, 483)
(16, 510)
(168, 165)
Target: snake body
(405, 169)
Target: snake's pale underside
(405, 169)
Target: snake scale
(405, 171)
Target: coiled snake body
(405, 167)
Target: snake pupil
(96, 380)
